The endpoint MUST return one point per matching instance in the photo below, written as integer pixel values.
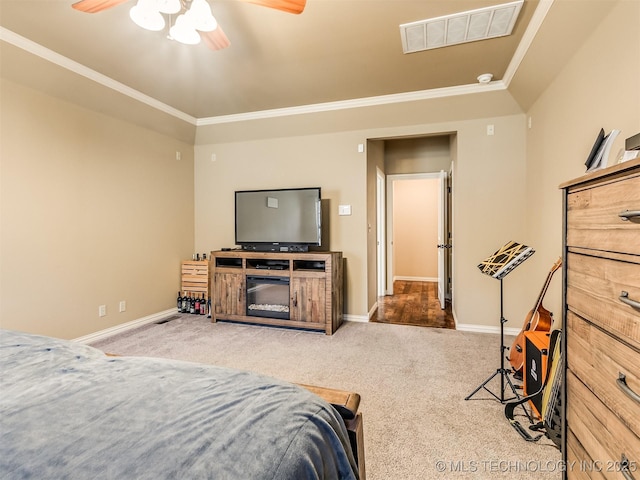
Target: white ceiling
(336, 50)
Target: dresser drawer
(594, 287)
(604, 437)
(593, 217)
(598, 359)
(579, 465)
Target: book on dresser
(600, 158)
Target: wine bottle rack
(195, 276)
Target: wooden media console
(301, 290)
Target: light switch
(344, 210)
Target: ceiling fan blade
(95, 6)
(290, 6)
(216, 39)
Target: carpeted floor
(413, 381)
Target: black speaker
(536, 354)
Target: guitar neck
(546, 285)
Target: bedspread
(69, 411)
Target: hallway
(414, 303)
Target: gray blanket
(67, 411)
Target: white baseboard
(469, 327)
(355, 318)
(109, 332)
(415, 279)
(373, 310)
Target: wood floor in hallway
(414, 303)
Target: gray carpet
(413, 381)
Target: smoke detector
(485, 78)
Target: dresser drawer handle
(626, 467)
(622, 383)
(624, 298)
(629, 215)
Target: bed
(69, 411)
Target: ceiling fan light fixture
(183, 31)
(169, 6)
(146, 15)
(201, 17)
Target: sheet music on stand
(505, 259)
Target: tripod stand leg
(503, 372)
(504, 375)
(483, 385)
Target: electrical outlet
(122, 307)
(490, 130)
(102, 310)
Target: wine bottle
(209, 308)
(204, 256)
(196, 307)
(192, 305)
(203, 305)
(179, 302)
(185, 305)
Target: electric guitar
(539, 318)
(551, 398)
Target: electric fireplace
(268, 296)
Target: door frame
(443, 247)
(381, 270)
(389, 219)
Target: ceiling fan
(212, 35)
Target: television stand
(285, 289)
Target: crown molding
(355, 103)
(65, 62)
(527, 39)
(73, 66)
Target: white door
(442, 239)
(380, 234)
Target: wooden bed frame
(346, 403)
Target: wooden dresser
(602, 324)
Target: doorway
(416, 273)
(427, 283)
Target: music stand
(498, 266)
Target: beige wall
(375, 163)
(489, 179)
(416, 203)
(417, 155)
(94, 211)
(330, 162)
(598, 88)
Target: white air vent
(480, 24)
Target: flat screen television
(284, 220)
